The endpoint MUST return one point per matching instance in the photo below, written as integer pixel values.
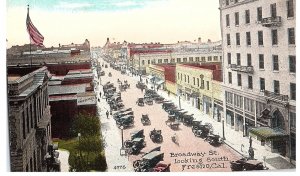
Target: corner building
(259, 71)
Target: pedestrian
(146, 81)
(168, 93)
(100, 94)
(157, 88)
(107, 113)
(110, 112)
(142, 90)
(106, 98)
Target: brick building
(29, 118)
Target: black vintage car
(133, 135)
(140, 102)
(203, 131)
(119, 116)
(137, 145)
(121, 111)
(196, 125)
(159, 99)
(148, 161)
(245, 164)
(148, 101)
(155, 136)
(214, 139)
(145, 120)
(167, 105)
(125, 122)
(188, 119)
(141, 85)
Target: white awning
(160, 82)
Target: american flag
(35, 36)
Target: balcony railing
(276, 96)
(271, 21)
(239, 68)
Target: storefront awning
(160, 82)
(268, 133)
(150, 77)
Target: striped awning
(268, 133)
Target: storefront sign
(86, 100)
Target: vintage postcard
(151, 85)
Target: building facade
(259, 70)
(29, 120)
(200, 85)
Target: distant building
(29, 118)
(259, 66)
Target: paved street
(208, 156)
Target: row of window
(190, 59)
(275, 60)
(276, 84)
(273, 11)
(33, 113)
(180, 76)
(260, 37)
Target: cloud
(126, 4)
(73, 5)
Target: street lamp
(223, 129)
(123, 151)
(79, 135)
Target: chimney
(208, 41)
(199, 39)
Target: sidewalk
(233, 139)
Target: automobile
(148, 101)
(161, 167)
(140, 102)
(196, 125)
(106, 66)
(117, 117)
(173, 125)
(148, 161)
(214, 140)
(145, 120)
(140, 85)
(137, 145)
(123, 71)
(125, 121)
(159, 100)
(102, 73)
(188, 119)
(203, 131)
(245, 164)
(167, 105)
(109, 74)
(116, 106)
(155, 136)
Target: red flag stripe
(36, 37)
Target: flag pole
(29, 39)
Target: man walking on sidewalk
(107, 114)
(100, 94)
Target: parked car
(137, 145)
(214, 139)
(133, 135)
(188, 119)
(125, 122)
(245, 164)
(161, 167)
(148, 161)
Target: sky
(139, 21)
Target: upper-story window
(291, 34)
(259, 14)
(197, 59)
(249, 60)
(239, 79)
(203, 59)
(229, 77)
(165, 60)
(143, 62)
(292, 64)
(276, 86)
(260, 38)
(228, 39)
(185, 59)
(274, 37)
(237, 18)
(290, 8)
(207, 85)
(293, 91)
(247, 16)
(248, 38)
(148, 62)
(229, 58)
(275, 63)
(238, 39)
(215, 58)
(227, 20)
(262, 83)
(159, 61)
(191, 59)
(209, 58)
(250, 82)
(236, 1)
(178, 60)
(273, 10)
(261, 61)
(227, 2)
(238, 58)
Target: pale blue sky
(67, 21)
